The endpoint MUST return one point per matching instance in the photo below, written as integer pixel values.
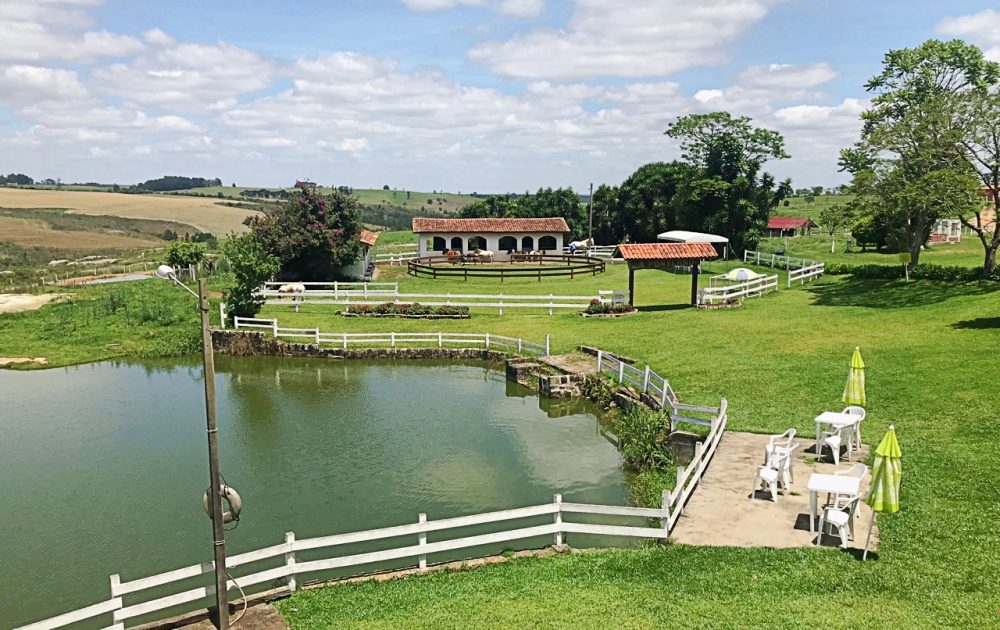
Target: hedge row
(390, 308)
(922, 272)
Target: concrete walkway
(721, 513)
(571, 363)
(259, 617)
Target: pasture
(201, 214)
(35, 233)
(416, 202)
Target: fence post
(680, 478)
(222, 314)
(344, 335)
(665, 521)
(392, 340)
(116, 582)
(546, 345)
(621, 371)
(501, 303)
(336, 291)
(600, 356)
(558, 520)
(550, 303)
(317, 335)
(487, 341)
(290, 559)
(519, 345)
(645, 380)
(422, 541)
(274, 327)
(440, 340)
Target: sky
(454, 95)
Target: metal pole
(218, 533)
(590, 234)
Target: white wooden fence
(291, 567)
(805, 274)
(372, 293)
(487, 341)
(727, 293)
(597, 251)
(395, 258)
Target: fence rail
(458, 266)
(776, 261)
(728, 293)
(646, 380)
(372, 294)
(806, 273)
(487, 341)
(291, 566)
(596, 251)
(395, 258)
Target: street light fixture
(218, 533)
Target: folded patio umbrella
(854, 391)
(888, 470)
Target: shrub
(596, 307)
(252, 266)
(921, 272)
(390, 308)
(183, 254)
(642, 439)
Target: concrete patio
(721, 511)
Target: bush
(390, 308)
(252, 266)
(921, 272)
(642, 438)
(596, 307)
(182, 254)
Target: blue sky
(470, 95)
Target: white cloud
(522, 8)
(437, 5)
(513, 8)
(41, 30)
(639, 38)
(23, 84)
(783, 75)
(981, 28)
(352, 145)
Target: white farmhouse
(364, 264)
(500, 236)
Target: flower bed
(606, 309)
(407, 311)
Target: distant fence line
(799, 269)
(709, 296)
(435, 267)
(349, 294)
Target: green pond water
(102, 466)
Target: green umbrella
(888, 470)
(854, 391)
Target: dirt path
(18, 302)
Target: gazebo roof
(368, 237)
(677, 253)
(492, 226)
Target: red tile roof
(368, 238)
(494, 226)
(666, 251)
(789, 223)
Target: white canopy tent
(683, 236)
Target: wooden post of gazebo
(665, 256)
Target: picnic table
(835, 419)
(844, 485)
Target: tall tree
(981, 146)
(906, 165)
(730, 194)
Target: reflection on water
(102, 466)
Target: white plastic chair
(841, 516)
(770, 476)
(783, 445)
(856, 470)
(859, 413)
(838, 437)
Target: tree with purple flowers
(311, 234)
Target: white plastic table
(834, 419)
(846, 485)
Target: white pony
(292, 287)
(483, 254)
(584, 245)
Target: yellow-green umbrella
(888, 470)
(854, 391)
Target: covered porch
(665, 256)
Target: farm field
(417, 201)
(204, 215)
(798, 207)
(967, 253)
(33, 233)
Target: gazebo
(665, 256)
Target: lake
(102, 466)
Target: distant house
(988, 216)
(500, 236)
(789, 226)
(364, 264)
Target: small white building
(500, 236)
(364, 264)
(720, 243)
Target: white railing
(804, 274)
(395, 258)
(776, 261)
(597, 251)
(291, 566)
(646, 380)
(486, 341)
(371, 295)
(728, 293)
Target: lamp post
(218, 533)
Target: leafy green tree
(181, 254)
(906, 166)
(252, 266)
(817, 191)
(980, 113)
(835, 218)
(311, 234)
(730, 194)
(547, 202)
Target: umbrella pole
(868, 540)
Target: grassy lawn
(780, 360)
(968, 253)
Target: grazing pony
(581, 245)
(292, 287)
